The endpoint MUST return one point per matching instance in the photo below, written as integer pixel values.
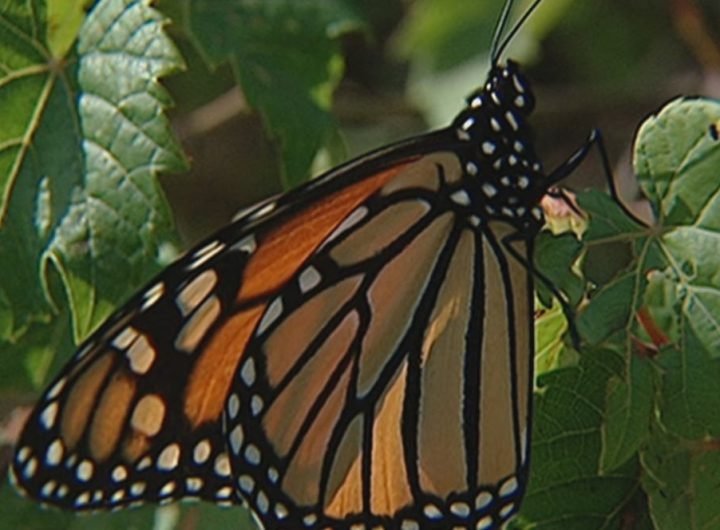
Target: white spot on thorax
(460, 197)
(510, 117)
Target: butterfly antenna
(499, 47)
(499, 30)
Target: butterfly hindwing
(335, 417)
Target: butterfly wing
(136, 415)
(387, 382)
(123, 422)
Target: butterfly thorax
(504, 175)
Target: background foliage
(228, 102)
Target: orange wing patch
(279, 255)
(284, 249)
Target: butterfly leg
(547, 282)
(595, 139)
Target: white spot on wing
(246, 483)
(137, 489)
(169, 458)
(141, 355)
(56, 389)
(486, 523)
(237, 436)
(119, 473)
(308, 279)
(460, 197)
(125, 338)
(482, 500)
(85, 470)
(262, 503)
(263, 210)
(351, 220)
(246, 245)
(30, 468)
(509, 487)
(193, 294)
(49, 415)
(460, 509)
(272, 313)
(205, 253)
(193, 484)
(233, 406)
(507, 509)
(153, 294)
(202, 452)
(167, 489)
(247, 373)
(54, 453)
(256, 405)
(252, 454)
(222, 465)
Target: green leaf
(82, 141)
(64, 20)
(40, 163)
(628, 413)
(689, 398)
(554, 257)
(680, 480)
(676, 160)
(566, 489)
(550, 350)
(286, 57)
(610, 309)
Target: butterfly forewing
(136, 414)
(123, 422)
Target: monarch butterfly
(357, 353)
